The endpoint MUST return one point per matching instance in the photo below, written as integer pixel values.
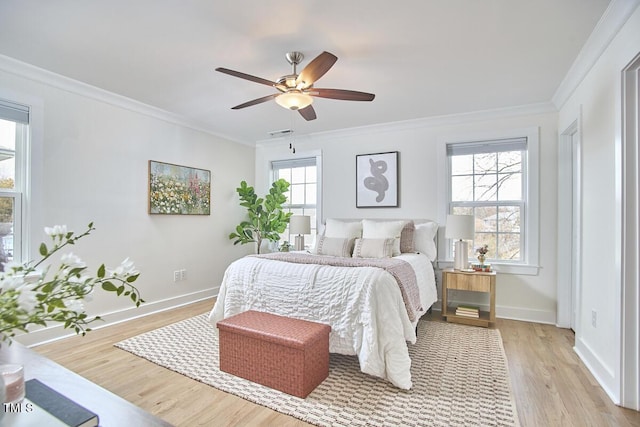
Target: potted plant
(482, 253)
(285, 247)
(267, 219)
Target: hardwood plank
(551, 386)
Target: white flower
(11, 282)
(74, 305)
(72, 261)
(27, 299)
(88, 297)
(56, 230)
(84, 279)
(13, 267)
(126, 268)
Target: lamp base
(461, 260)
(299, 242)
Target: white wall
(90, 163)
(527, 297)
(599, 98)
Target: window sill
(502, 268)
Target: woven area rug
(459, 374)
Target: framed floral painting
(178, 190)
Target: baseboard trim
(603, 375)
(526, 314)
(56, 332)
(510, 313)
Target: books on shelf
(468, 311)
(61, 407)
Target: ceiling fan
(296, 91)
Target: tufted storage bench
(289, 355)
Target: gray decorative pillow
(334, 246)
(406, 238)
(373, 248)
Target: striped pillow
(373, 248)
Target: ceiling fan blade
(245, 76)
(308, 113)
(345, 95)
(316, 69)
(255, 101)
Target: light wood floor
(551, 386)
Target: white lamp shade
(300, 224)
(294, 100)
(460, 227)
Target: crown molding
(613, 19)
(40, 75)
(426, 122)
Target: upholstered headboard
(425, 234)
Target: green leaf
(43, 249)
(110, 287)
(101, 271)
(266, 217)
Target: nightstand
(474, 282)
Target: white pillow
(343, 229)
(373, 248)
(334, 246)
(372, 229)
(424, 239)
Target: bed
(369, 280)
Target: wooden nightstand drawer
(469, 282)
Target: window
(490, 180)
(14, 127)
(302, 198)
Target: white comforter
(363, 305)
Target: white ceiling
(421, 58)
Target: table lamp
(461, 227)
(300, 225)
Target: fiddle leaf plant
(267, 219)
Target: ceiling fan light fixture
(294, 100)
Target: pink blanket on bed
(401, 271)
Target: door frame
(628, 186)
(569, 225)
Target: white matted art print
(377, 180)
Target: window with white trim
(14, 134)
(489, 180)
(302, 197)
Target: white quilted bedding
(363, 305)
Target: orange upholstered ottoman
(289, 355)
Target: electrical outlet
(594, 318)
(176, 275)
(183, 274)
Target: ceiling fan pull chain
(292, 140)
